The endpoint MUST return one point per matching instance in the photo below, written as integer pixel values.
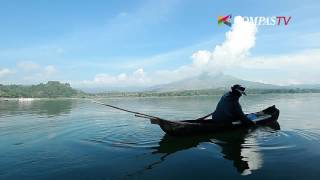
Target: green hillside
(51, 89)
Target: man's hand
(249, 123)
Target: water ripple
(123, 135)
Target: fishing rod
(137, 114)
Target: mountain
(210, 81)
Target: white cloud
(233, 56)
(201, 58)
(28, 66)
(136, 78)
(239, 40)
(104, 78)
(29, 72)
(31, 68)
(49, 70)
(5, 72)
(140, 76)
(294, 68)
(298, 61)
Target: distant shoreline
(57, 90)
(95, 96)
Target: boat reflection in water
(239, 146)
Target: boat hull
(267, 117)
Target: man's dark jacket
(229, 109)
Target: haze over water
(77, 139)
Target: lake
(78, 139)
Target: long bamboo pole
(138, 114)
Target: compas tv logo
(225, 20)
(258, 20)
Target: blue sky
(118, 42)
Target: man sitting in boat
(229, 109)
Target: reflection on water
(250, 157)
(237, 146)
(37, 107)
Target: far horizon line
(132, 89)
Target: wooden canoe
(267, 116)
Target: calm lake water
(77, 139)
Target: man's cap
(239, 88)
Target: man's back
(229, 110)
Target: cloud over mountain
(238, 41)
